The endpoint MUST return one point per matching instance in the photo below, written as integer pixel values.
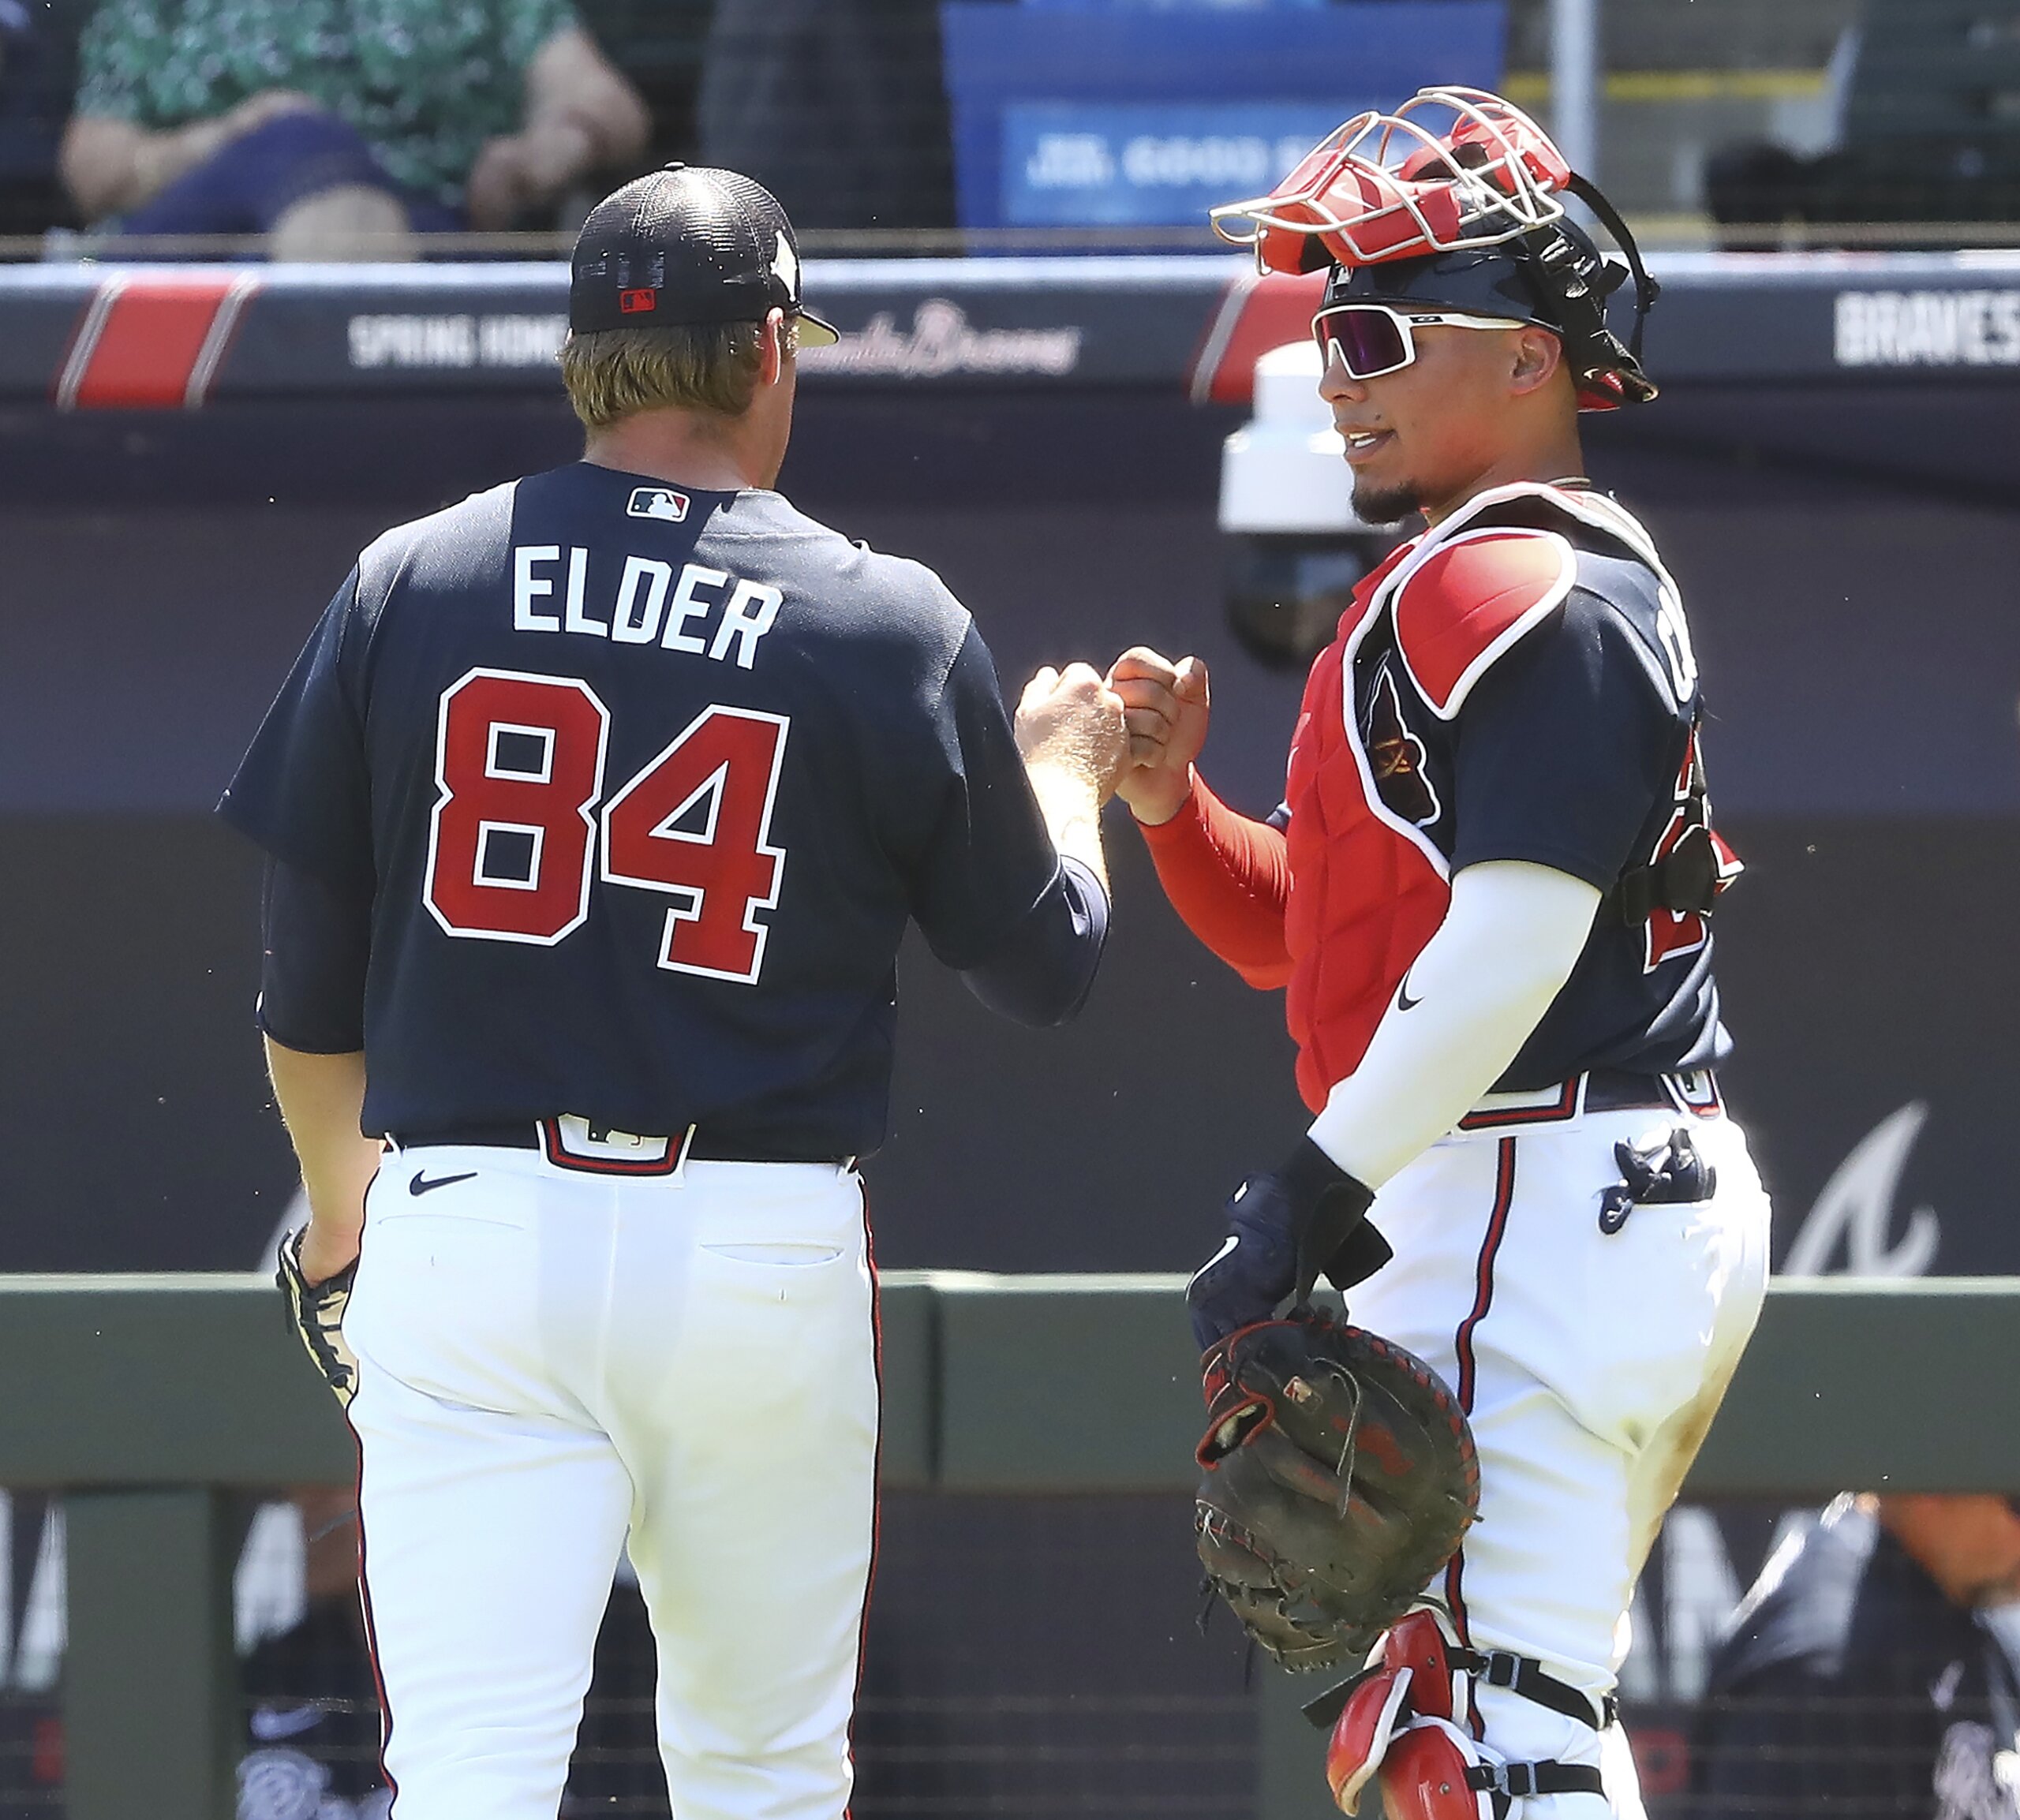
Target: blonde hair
(711, 366)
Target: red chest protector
(1367, 890)
(1364, 898)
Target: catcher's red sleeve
(1228, 878)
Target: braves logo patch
(1395, 757)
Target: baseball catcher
(1488, 897)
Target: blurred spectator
(313, 1710)
(1874, 1670)
(836, 107)
(34, 91)
(1925, 133)
(339, 128)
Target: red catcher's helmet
(1456, 199)
(1450, 168)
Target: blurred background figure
(836, 103)
(1918, 130)
(34, 89)
(313, 1722)
(312, 1715)
(339, 128)
(1873, 1669)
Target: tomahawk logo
(1855, 1209)
(658, 503)
(1395, 757)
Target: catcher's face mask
(1450, 169)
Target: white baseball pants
(1591, 1365)
(548, 1361)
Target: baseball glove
(317, 1311)
(1338, 1477)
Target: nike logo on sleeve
(1227, 1245)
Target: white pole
(1574, 83)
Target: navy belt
(1616, 1090)
(700, 1147)
(1695, 1092)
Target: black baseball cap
(685, 246)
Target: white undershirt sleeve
(1511, 936)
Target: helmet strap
(1646, 290)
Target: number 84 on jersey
(522, 827)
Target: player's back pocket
(792, 1256)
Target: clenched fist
(1166, 706)
(1070, 720)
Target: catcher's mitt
(317, 1311)
(1339, 1477)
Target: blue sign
(1150, 162)
(1160, 5)
(1174, 105)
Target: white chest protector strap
(1399, 1720)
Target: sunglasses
(1370, 339)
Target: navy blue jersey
(1570, 739)
(1847, 1683)
(641, 785)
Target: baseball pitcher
(596, 808)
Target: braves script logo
(942, 343)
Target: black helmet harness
(1553, 277)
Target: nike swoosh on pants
(420, 1184)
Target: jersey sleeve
(316, 944)
(1042, 975)
(301, 791)
(988, 863)
(1565, 748)
(1228, 878)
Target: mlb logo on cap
(633, 303)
